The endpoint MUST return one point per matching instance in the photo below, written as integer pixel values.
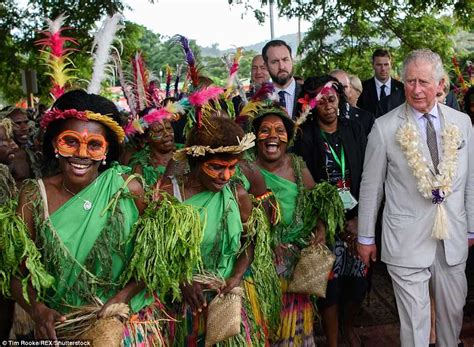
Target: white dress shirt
(378, 85)
(289, 96)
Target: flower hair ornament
(308, 103)
(55, 114)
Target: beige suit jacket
(408, 217)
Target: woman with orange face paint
(81, 217)
(287, 177)
(152, 159)
(213, 151)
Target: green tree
(345, 32)
(19, 29)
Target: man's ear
(440, 87)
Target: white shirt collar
(378, 84)
(434, 112)
(290, 89)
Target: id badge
(347, 199)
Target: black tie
(382, 91)
(431, 141)
(282, 93)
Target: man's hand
(367, 253)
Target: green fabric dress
(297, 314)
(222, 229)
(290, 197)
(86, 250)
(220, 216)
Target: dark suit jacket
(451, 101)
(365, 118)
(309, 145)
(368, 99)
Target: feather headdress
(101, 48)
(200, 99)
(193, 71)
(176, 82)
(56, 56)
(172, 111)
(234, 68)
(169, 73)
(126, 86)
(258, 100)
(140, 82)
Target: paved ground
(377, 323)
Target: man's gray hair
(338, 71)
(428, 56)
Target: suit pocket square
(461, 144)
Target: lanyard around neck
(340, 162)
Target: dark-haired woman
(225, 207)
(81, 217)
(288, 178)
(333, 148)
(152, 159)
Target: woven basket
(224, 317)
(105, 332)
(83, 324)
(312, 270)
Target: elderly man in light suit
(421, 155)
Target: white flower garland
(435, 187)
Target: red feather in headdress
(154, 92)
(57, 56)
(140, 79)
(263, 92)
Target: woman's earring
(56, 154)
(103, 160)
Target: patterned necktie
(382, 91)
(282, 93)
(431, 141)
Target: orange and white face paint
(71, 143)
(214, 168)
(272, 128)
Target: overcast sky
(208, 21)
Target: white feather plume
(55, 25)
(101, 47)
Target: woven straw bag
(83, 324)
(224, 317)
(312, 270)
(105, 332)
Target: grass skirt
(297, 318)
